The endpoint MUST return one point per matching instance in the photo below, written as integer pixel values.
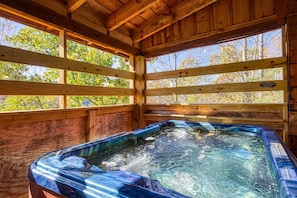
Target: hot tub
(170, 159)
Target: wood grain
(224, 20)
(21, 144)
(127, 11)
(178, 12)
(276, 124)
(222, 68)
(218, 88)
(22, 141)
(34, 88)
(32, 58)
(73, 5)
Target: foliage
(252, 48)
(176, 61)
(238, 51)
(39, 41)
(13, 103)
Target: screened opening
(207, 73)
(91, 76)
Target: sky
(203, 54)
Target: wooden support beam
(180, 11)
(8, 87)
(73, 5)
(127, 11)
(131, 82)
(139, 88)
(285, 136)
(91, 132)
(281, 10)
(62, 72)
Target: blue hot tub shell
(68, 173)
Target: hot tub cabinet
(67, 172)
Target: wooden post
(91, 133)
(292, 70)
(139, 99)
(131, 82)
(285, 134)
(62, 73)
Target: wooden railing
(272, 115)
(218, 69)
(14, 55)
(258, 114)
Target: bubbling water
(201, 164)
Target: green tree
(39, 41)
(33, 40)
(239, 51)
(251, 48)
(84, 53)
(175, 61)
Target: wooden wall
(26, 136)
(223, 20)
(292, 57)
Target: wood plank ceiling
(142, 18)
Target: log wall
(28, 135)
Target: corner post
(63, 73)
(139, 99)
(91, 132)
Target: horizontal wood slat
(209, 108)
(33, 88)
(218, 88)
(12, 118)
(261, 111)
(32, 58)
(217, 69)
(255, 114)
(273, 123)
